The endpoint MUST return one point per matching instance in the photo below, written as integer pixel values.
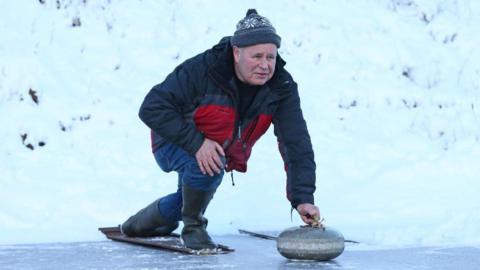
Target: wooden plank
(115, 234)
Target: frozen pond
(250, 253)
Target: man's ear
(236, 54)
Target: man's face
(255, 64)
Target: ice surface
(251, 253)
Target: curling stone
(310, 243)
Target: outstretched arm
(297, 152)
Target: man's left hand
(309, 213)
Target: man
(205, 118)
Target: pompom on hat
(254, 29)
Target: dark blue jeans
(172, 158)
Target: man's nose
(263, 63)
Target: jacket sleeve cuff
(195, 144)
(304, 198)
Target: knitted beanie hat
(254, 29)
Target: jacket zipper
(244, 142)
(237, 125)
(237, 118)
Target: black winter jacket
(199, 99)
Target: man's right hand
(309, 214)
(208, 157)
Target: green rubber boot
(194, 233)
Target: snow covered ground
(390, 90)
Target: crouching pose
(205, 118)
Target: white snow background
(390, 91)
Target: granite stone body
(310, 243)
